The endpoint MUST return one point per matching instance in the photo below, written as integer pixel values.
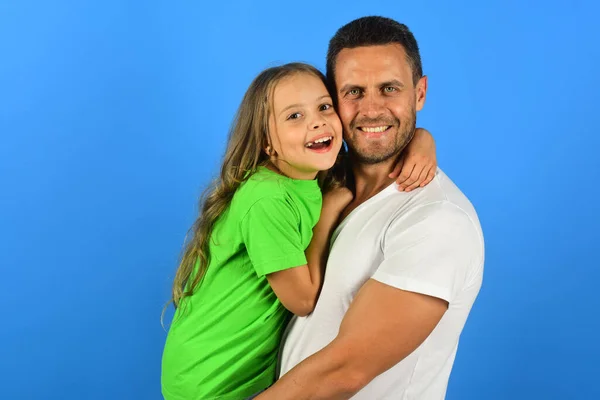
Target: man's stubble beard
(377, 156)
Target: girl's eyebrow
(300, 105)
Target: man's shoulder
(441, 205)
(442, 215)
(442, 219)
(441, 198)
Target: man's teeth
(323, 139)
(375, 129)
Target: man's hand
(383, 326)
(417, 166)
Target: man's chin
(372, 160)
(373, 155)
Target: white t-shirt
(426, 241)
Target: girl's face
(305, 131)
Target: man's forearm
(326, 375)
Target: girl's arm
(298, 288)
(418, 163)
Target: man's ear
(421, 93)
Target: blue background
(113, 117)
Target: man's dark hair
(374, 31)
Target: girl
(258, 251)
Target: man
(404, 268)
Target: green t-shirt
(224, 339)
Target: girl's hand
(418, 164)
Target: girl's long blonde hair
(248, 138)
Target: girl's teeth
(325, 139)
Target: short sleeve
(271, 232)
(431, 251)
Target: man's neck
(371, 179)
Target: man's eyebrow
(393, 82)
(298, 105)
(349, 86)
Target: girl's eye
(325, 107)
(294, 116)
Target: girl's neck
(289, 171)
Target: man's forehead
(371, 63)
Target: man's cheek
(346, 123)
(345, 112)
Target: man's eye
(354, 92)
(294, 116)
(389, 89)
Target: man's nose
(372, 106)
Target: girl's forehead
(298, 87)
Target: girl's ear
(269, 148)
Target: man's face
(377, 100)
